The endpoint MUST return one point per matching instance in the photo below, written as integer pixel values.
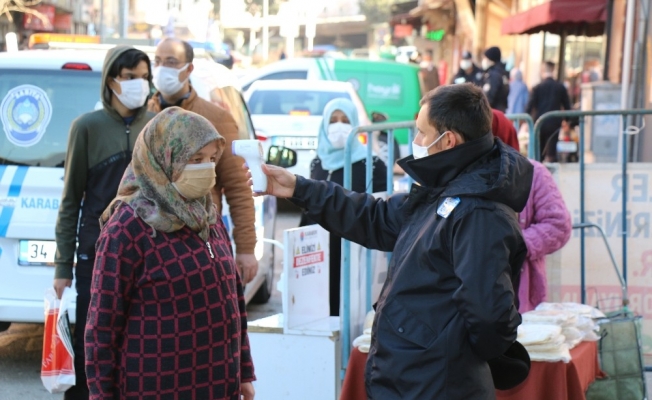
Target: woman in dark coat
(167, 314)
(340, 117)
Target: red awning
(576, 17)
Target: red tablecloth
(558, 381)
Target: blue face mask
(419, 151)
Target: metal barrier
(534, 146)
(517, 119)
(389, 127)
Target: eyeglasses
(169, 63)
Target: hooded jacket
(448, 304)
(99, 149)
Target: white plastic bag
(57, 365)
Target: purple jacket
(546, 225)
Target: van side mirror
(281, 156)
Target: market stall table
(546, 381)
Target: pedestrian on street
(518, 93)
(549, 95)
(447, 315)
(468, 72)
(99, 149)
(495, 82)
(167, 314)
(172, 69)
(504, 129)
(428, 71)
(545, 221)
(340, 118)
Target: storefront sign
(402, 31)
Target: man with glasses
(172, 69)
(100, 144)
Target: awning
(575, 17)
(429, 5)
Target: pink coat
(546, 225)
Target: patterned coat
(546, 225)
(167, 315)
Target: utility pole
(124, 18)
(265, 30)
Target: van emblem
(25, 113)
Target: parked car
(41, 93)
(387, 87)
(289, 113)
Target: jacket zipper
(128, 132)
(210, 249)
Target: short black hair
(549, 66)
(189, 52)
(461, 108)
(130, 60)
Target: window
(70, 94)
(291, 102)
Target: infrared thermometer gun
(252, 152)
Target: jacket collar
(439, 169)
(185, 102)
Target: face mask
(196, 180)
(338, 133)
(419, 151)
(466, 64)
(486, 64)
(133, 93)
(166, 79)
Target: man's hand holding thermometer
(265, 179)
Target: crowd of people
(160, 306)
(508, 93)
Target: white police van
(41, 93)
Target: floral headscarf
(161, 152)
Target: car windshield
(37, 108)
(291, 102)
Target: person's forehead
(170, 49)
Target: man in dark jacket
(549, 95)
(99, 149)
(448, 308)
(468, 72)
(495, 82)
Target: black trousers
(80, 390)
(548, 138)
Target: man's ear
(452, 139)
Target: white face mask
(419, 151)
(166, 79)
(486, 64)
(133, 93)
(338, 132)
(466, 64)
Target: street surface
(21, 346)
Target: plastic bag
(57, 364)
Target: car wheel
(384, 149)
(265, 290)
(4, 326)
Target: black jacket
(448, 304)
(496, 86)
(475, 77)
(358, 184)
(549, 95)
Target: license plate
(36, 252)
(298, 143)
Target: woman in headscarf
(167, 313)
(340, 117)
